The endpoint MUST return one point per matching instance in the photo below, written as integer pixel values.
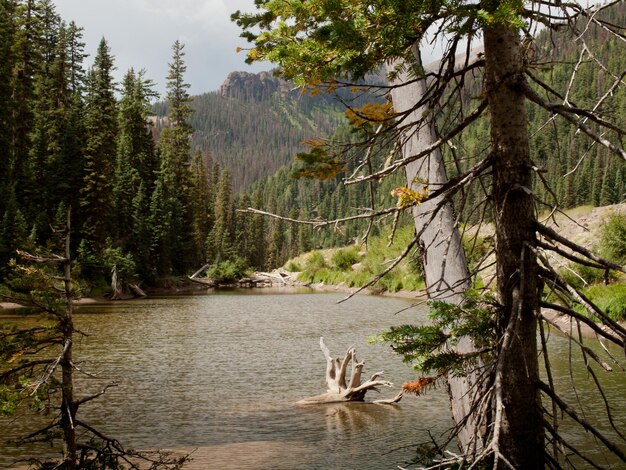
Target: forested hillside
(255, 124)
(577, 170)
(144, 204)
(584, 173)
(152, 202)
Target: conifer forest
(148, 197)
(350, 163)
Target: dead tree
(342, 390)
(38, 366)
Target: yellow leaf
(407, 197)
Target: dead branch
(95, 395)
(587, 321)
(551, 234)
(568, 112)
(585, 424)
(587, 350)
(427, 150)
(322, 223)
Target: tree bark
(518, 425)
(68, 405)
(446, 274)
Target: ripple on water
(221, 373)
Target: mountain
(255, 124)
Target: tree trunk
(446, 274)
(68, 405)
(518, 424)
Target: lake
(221, 373)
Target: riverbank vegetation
(356, 265)
(39, 365)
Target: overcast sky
(140, 34)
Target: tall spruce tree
(7, 33)
(220, 245)
(136, 161)
(55, 157)
(170, 205)
(101, 127)
(201, 200)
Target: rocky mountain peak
(253, 86)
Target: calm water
(220, 373)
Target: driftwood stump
(341, 390)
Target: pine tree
(100, 150)
(220, 243)
(170, 206)
(7, 33)
(136, 160)
(55, 157)
(201, 200)
(26, 51)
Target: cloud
(210, 12)
(141, 32)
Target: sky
(140, 34)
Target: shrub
(228, 271)
(293, 267)
(613, 239)
(611, 299)
(315, 262)
(579, 276)
(344, 259)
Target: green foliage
(123, 263)
(613, 239)
(343, 259)
(610, 298)
(228, 271)
(407, 276)
(293, 267)
(9, 400)
(337, 39)
(476, 248)
(428, 347)
(315, 262)
(101, 129)
(319, 164)
(580, 276)
(399, 280)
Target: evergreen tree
(55, 157)
(201, 200)
(13, 233)
(170, 206)
(136, 161)
(220, 243)
(26, 52)
(7, 33)
(101, 129)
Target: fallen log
(341, 390)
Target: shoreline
(418, 296)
